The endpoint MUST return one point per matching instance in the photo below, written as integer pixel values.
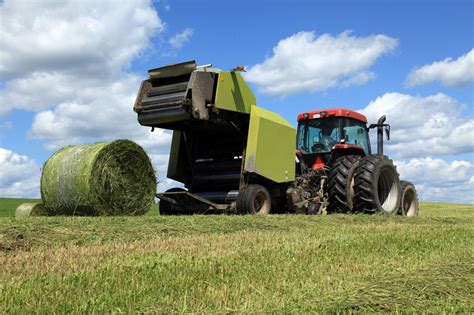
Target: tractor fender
(340, 149)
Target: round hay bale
(30, 209)
(105, 178)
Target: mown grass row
(280, 263)
(9, 205)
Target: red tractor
(337, 171)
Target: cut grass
(280, 263)
(9, 205)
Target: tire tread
(337, 183)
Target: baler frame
(222, 141)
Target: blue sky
(76, 79)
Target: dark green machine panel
(178, 164)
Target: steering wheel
(328, 144)
(317, 147)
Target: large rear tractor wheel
(341, 184)
(377, 185)
(409, 206)
(254, 199)
(167, 208)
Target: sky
(70, 72)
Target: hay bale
(30, 209)
(105, 178)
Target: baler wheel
(254, 199)
(341, 184)
(167, 208)
(377, 185)
(409, 206)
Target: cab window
(318, 135)
(354, 132)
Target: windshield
(320, 135)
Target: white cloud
(158, 141)
(422, 126)
(436, 170)
(438, 180)
(98, 112)
(43, 90)
(53, 52)
(307, 62)
(19, 175)
(81, 36)
(449, 72)
(178, 40)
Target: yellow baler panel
(271, 146)
(233, 93)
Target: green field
(8, 206)
(278, 263)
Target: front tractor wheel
(409, 206)
(341, 184)
(377, 185)
(254, 199)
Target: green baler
(230, 154)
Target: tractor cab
(327, 134)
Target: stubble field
(276, 263)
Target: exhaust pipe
(380, 126)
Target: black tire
(167, 208)
(409, 205)
(341, 184)
(254, 199)
(377, 185)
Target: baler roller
(166, 100)
(166, 89)
(167, 114)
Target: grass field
(9, 205)
(279, 263)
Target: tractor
(337, 171)
(233, 156)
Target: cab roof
(332, 112)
